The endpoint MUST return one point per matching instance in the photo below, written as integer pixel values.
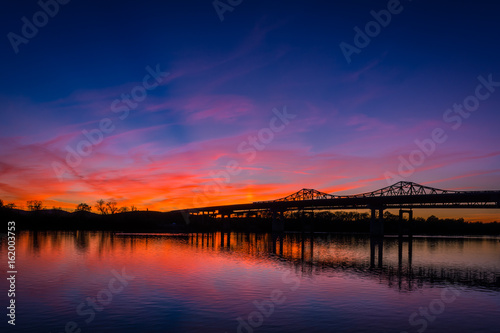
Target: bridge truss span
(404, 188)
(402, 195)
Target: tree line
(101, 206)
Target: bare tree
(133, 208)
(123, 210)
(34, 205)
(101, 207)
(112, 207)
(83, 207)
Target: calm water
(103, 282)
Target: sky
(177, 104)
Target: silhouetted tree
(83, 207)
(432, 219)
(1, 203)
(388, 216)
(10, 205)
(123, 210)
(34, 205)
(112, 207)
(101, 207)
(133, 208)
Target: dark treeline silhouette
(342, 221)
(349, 222)
(113, 218)
(54, 219)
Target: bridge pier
(376, 236)
(278, 222)
(377, 224)
(405, 228)
(307, 223)
(226, 222)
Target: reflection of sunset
(218, 278)
(186, 255)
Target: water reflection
(404, 262)
(217, 277)
(386, 259)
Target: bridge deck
(401, 195)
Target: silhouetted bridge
(403, 196)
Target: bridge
(403, 195)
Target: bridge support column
(405, 228)
(307, 222)
(377, 225)
(226, 222)
(278, 222)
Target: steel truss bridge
(403, 196)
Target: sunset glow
(156, 113)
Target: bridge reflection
(388, 260)
(402, 263)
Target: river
(245, 282)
